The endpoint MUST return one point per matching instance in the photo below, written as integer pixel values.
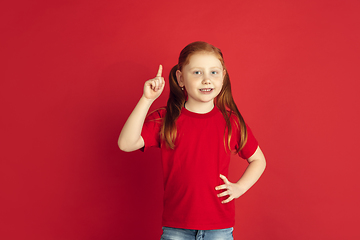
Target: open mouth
(206, 90)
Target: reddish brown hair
(224, 101)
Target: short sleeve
(151, 129)
(250, 146)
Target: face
(202, 78)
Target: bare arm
(130, 137)
(257, 164)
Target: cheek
(220, 81)
(190, 80)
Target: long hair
(224, 101)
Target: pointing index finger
(159, 71)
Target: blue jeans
(188, 234)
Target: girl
(196, 132)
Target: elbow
(127, 146)
(260, 163)
(264, 164)
(263, 161)
(123, 146)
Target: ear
(179, 78)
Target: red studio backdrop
(72, 71)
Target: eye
(214, 72)
(197, 72)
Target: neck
(199, 107)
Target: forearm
(252, 174)
(130, 136)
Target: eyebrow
(203, 68)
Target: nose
(206, 79)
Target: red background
(72, 71)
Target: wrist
(242, 187)
(146, 100)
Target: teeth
(206, 90)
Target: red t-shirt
(191, 171)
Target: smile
(206, 89)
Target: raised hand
(232, 190)
(154, 87)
